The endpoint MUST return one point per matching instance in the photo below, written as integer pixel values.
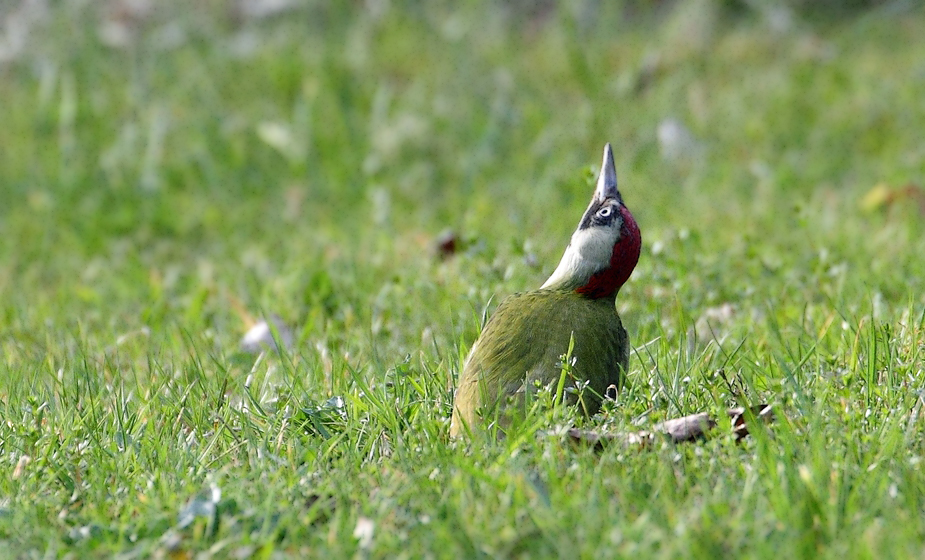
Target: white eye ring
(604, 212)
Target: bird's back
(522, 344)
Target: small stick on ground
(677, 430)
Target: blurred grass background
(170, 172)
(164, 153)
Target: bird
(522, 345)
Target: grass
(160, 193)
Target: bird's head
(605, 248)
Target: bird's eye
(604, 212)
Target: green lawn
(168, 177)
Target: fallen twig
(677, 430)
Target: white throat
(588, 252)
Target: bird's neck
(587, 269)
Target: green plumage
(523, 343)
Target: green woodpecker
(522, 345)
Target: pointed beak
(607, 181)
